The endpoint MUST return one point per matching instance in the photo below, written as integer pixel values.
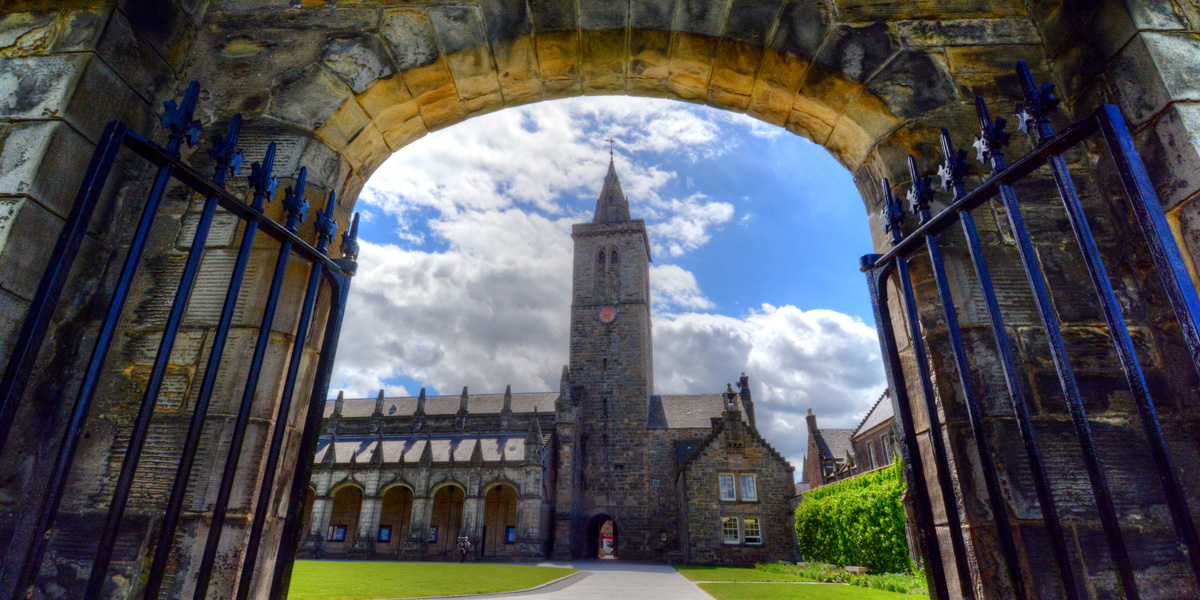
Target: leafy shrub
(904, 583)
(858, 521)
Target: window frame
(745, 531)
(737, 526)
(870, 454)
(733, 487)
(741, 481)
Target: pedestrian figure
(464, 546)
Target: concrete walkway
(614, 580)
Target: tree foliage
(858, 522)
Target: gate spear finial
(294, 202)
(1039, 102)
(263, 181)
(180, 119)
(225, 154)
(350, 241)
(920, 194)
(891, 214)
(326, 225)
(955, 168)
(992, 137)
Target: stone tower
(611, 362)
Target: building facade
(837, 454)
(604, 465)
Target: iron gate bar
(295, 205)
(910, 453)
(184, 174)
(45, 299)
(264, 190)
(956, 168)
(1149, 212)
(325, 227)
(919, 197)
(1066, 377)
(893, 214)
(1036, 108)
(226, 152)
(289, 539)
(183, 127)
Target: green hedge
(857, 522)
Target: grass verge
(798, 591)
(905, 583)
(367, 580)
(709, 573)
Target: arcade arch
(342, 86)
(344, 516)
(500, 510)
(446, 520)
(395, 515)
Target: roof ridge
(873, 407)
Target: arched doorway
(343, 519)
(500, 521)
(601, 537)
(394, 517)
(446, 521)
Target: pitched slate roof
(409, 448)
(879, 414)
(477, 404)
(686, 411)
(835, 443)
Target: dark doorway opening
(602, 537)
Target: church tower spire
(611, 205)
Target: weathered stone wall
(341, 86)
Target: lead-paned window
(752, 530)
(729, 530)
(749, 488)
(728, 491)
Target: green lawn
(701, 573)
(796, 591)
(348, 580)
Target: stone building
(837, 454)
(342, 85)
(670, 478)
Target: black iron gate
(335, 274)
(1033, 111)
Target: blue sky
(465, 271)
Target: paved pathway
(615, 580)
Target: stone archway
(395, 514)
(340, 87)
(310, 497)
(601, 537)
(343, 519)
(445, 521)
(499, 521)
